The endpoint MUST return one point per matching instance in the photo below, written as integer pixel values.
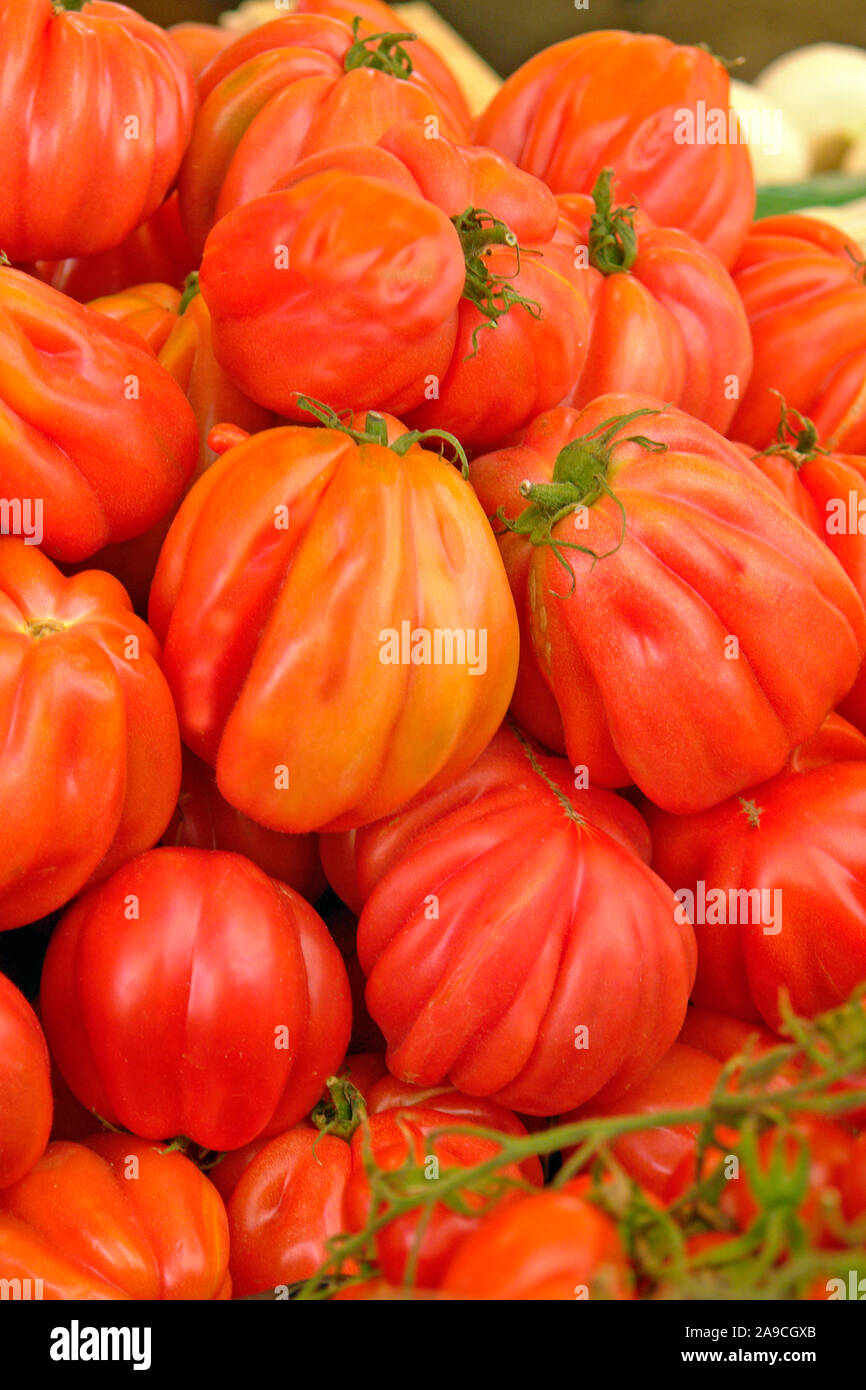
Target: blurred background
(507, 32)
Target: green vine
(375, 431)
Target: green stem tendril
(612, 237)
(548, 781)
(4, 259)
(190, 290)
(752, 812)
(479, 231)
(579, 480)
(341, 1115)
(375, 431)
(729, 64)
(858, 263)
(796, 437)
(390, 56)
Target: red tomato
(156, 252)
(355, 861)
(200, 43)
(91, 764)
(115, 1218)
(25, 1086)
(447, 240)
(304, 1187)
(288, 89)
(775, 883)
(684, 1079)
(193, 995)
(292, 574)
(98, 109)
(666, 316)
(627, 100)
(94, 428)
(203, 820)
(150, 310)
(553, 1245)
(802, 285)
(486, 936)
(734, 629)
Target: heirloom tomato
(649, 108)
(200, 43)
(337, 624)
(291, 88)
(25, 1086)
(551, 1245)
(666, 318)
(192, 995)
(115, 1218)
(98, 439)
(682, 629)
(97, 107)
(393, 262)
(91, 755)
(486, 936)
(802, 286)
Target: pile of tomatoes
(432, 701)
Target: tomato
(98, 108)
(293, 572)
(115, 1218)
(445, 240)
(156, 252)
(681, 629)
(553, 1245)
(150, 310)
(628, 100)
(684, 1079)
(98, 439)
(485, 937)
(290, 88)
(303, 1188)
(203, 820)
(666, 317)
(802, 286)
(192, 995)
(200, 42)
(775, 882)
(25, 1086)
(356, 860)
(91, 763)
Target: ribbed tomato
(115, 1218)
(802, 285)
(192, 995)
(91, 764)
(652, 110)
(288, 592)
(25, 1086)
(681, 628)
(99, 440)
(97, 105)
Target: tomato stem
(341, 1115)
(612, 237)
(548, 781)
(375, 431)
(390, 57)
(479, 231)
(796, 436)
(190, 290)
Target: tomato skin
(685, 1077)
(26, 1104)
(809, 845)
(546, 1246)
(209, 1063)
(673, 326)
(204, 820)
(483, 942)
(281, 93)
(659, 708)
(389, 208)
(81, 76)
(356, 860)
(115, 1218)
(157, 252)
(106, 463)
(247, 633)
(93, 769)
(200, 43)
(806, 303)
(610, 98)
